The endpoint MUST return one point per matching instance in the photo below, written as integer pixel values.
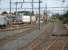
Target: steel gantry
(16, 3)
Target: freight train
(25, 19)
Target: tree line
(63, 17)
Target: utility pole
(45, 9)
(39, 14)
(16, 8)
(32, 7)
(63, 1)
(45, 13)
(10, 7)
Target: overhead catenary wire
(22, 3)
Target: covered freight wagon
(26, 19)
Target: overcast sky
(50, 3)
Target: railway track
(32, 44)
(43, 41)
(47, 43)
(21, 41)
(56, 45)
(66, 46)
(15, 27)
(15, 36)
(50, 44)
(38, 40)
(9, 32)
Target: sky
(50, 4)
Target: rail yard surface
(51, 36)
